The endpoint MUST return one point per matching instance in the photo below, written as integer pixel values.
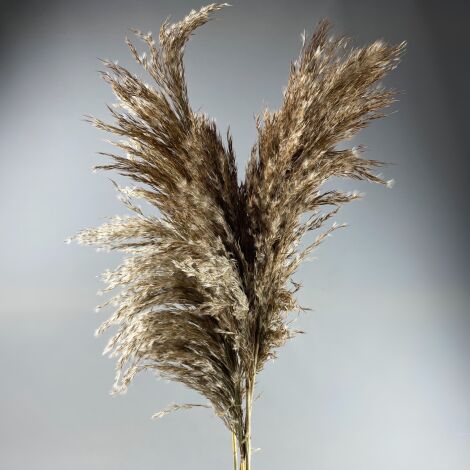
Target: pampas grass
(205, 288)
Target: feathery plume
(203, 288)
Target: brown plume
(204, 296)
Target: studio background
(381, 380)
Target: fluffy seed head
(203, 292)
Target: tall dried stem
(235, 451)
(204, 295)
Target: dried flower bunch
(204, 296)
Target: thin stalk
(234, 451)
(249, 390)
(249, 405)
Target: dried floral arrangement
(204, 285)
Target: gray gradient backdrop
(382, 379)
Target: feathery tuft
(204, 296)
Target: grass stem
(234, 451)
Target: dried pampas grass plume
(204, 296)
